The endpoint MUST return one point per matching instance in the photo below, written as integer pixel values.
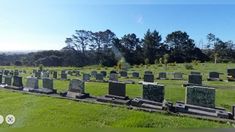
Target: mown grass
(37, 111)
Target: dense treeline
(104, 48)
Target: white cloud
(140, 19)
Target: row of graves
(199, 100)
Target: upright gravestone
(195, 79)
(32, 82)
(93, 73)
(47, 83)
(86, 77)
(148, 78)
(162, 75)
(123, 73)
(77, 89)
(113, 72)
(17, 81)
(8, 80)
(231, 74)
(99, 77)
(153, 92)
(214, 76)
(104, 73)
(0, 79)
(135, 74)
(38, 74)
(113, 77)
(63, 76)
(200, 96)
(178, 76)
(55, 74)
(16, 73)
(117, 89)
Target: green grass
(39, 111)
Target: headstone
(123, 73)
(47, 83)
(135, 75)
(32, 82)
(16, 73)
(117, 89)
(86, 77)
(104, 73)
(213, 75)
(99, 77)
(195, 79)
(153, 92)
(93, 73)
(162, 75)
(178, 76)
(113, 77)
(231, 72)
(17, 81)
(45, 75)
(8, 80)
(55, 75)
(200, 96)
(148, 78)
(63, 76)
(77, 86)
(0, 79)
(38, 74)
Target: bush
(195, 62)
(188, 66)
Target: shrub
(188, 66)
(195, 62)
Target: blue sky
(44, 24)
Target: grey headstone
(99, 77)
(123, 73)
(162, 75)
(64, 76)
(17, 81)
(77, 86)
(8, 80)
(148, 78)
(195, 79)
(178, 75)
(214, 75)
(55, 75)
(86, 77)
(0, 78)
(32, 82)
(117, 89)
(135, 75)
(47, 83)
(93, 73)
(231, 72)
(104, 73)
(153, 92)
(200, 96)
(113, 77)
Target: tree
(181, 47)
(81, 39)
(130, 48)
(152, 46)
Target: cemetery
(197, 99)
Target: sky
(45, 24)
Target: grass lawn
(38, 111)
